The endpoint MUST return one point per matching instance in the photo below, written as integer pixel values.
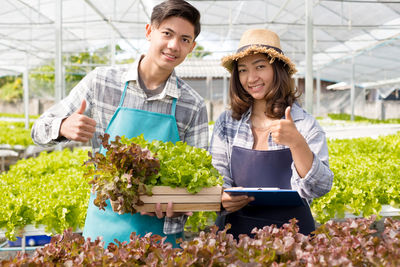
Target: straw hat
(256, 41)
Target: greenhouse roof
(201, 68)
(365, 32)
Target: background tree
(198, 52)
(76, 66)
(11, 88)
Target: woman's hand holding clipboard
(236, 201)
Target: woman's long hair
(281, 94)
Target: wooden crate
(208, 199)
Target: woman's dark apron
(131, 123)
(272, 168)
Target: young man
(148, 98)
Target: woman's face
(256, 75)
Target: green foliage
(349, 243)
(181, 165)
(198, 52)
(122, 174)
(7, 79)
(14, 133)
(126, 61)
(48, 190)
(77, 65)
(11, 89)
(347, 117)
(51, 189)
(366, 177)
(184, 166)
(14, 115)
(132, 166)
(41, 80)
(200, 220)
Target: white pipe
(309, 58)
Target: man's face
(170, 42)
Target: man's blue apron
(131, 123)
(272, 168)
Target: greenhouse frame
(348, 43)
(331, 168)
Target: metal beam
(352, 89)
(318, 111)
(16, 72)
(33, 53)
(35, 10)
(380, 83)
(26, 91)
(112, 41)
(127, 10)
(26, 42)
(145, 9)
(225, 91)
(58, 61)
(309, 81)
(45, 16)
(231, 21)
(363, 50)
(19, 10)
(111, 24)
(283, 6)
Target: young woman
(266, 139)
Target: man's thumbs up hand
(78, 127)
(82, 108)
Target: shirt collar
(132, 73)
(246, 116)
(171, 86)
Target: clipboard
(269, 196)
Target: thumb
(82, 108)
(288, 116)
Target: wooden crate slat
(166, 190)
(181, 198)
(182, 207)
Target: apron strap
(173, 107)
(123, 95)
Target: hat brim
(227, 61)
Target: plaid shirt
(102, 88)
(229, 132)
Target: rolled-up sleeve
(174, 225)
(318, 180)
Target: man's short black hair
(176, 8)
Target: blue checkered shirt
(102, 88)
(229, 132)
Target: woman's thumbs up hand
(284, 131)
(78, 127)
